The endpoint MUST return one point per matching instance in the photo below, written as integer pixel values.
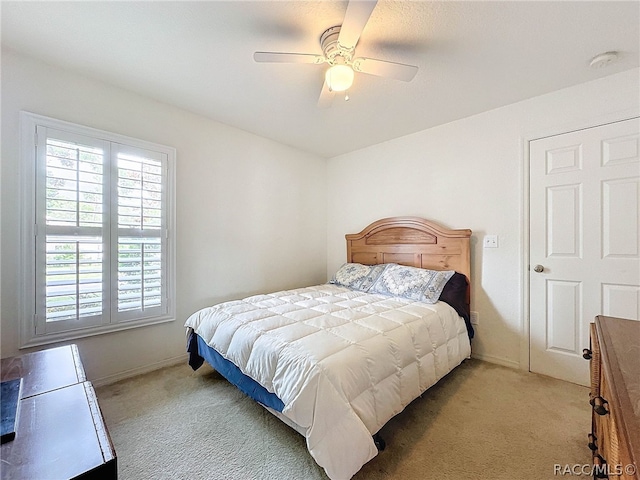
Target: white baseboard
(505, 362)
(116, 377)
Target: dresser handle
(598, 406)
(592, 442)
(586, 354)
(600, 464)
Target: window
(98, 210)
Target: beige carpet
(482, 421)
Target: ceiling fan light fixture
(339, 78)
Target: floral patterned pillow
(413, 283)
(357, 276)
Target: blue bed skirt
(200, 351)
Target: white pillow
(410, 282)
(357, 276)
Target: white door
(584, 241)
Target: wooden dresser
(615, 397)
(60, 432)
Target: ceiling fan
(338, 46)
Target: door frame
(525, 210)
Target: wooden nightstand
(60, 432)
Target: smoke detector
(604, 59)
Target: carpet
(482, 421)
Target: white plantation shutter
(139, 224)
(70, 246)
(101, 232)
(74, 277)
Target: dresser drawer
(607, 427)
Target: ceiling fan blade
(355, 19)
(326, 97)
(382, 68)
(277, 57)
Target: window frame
(30, 175)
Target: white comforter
(343, 362)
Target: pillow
(351, 275)
(357, 276)
(373, 275)
(411, 282)
(455, 294)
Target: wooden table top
(45, 370)
(60, 432)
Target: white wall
(250, 211)
(470, 174)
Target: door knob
(538, 269)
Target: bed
(337, 361)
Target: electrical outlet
(475, 318)
(490, 241)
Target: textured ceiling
(473, 56)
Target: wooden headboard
(412, 241)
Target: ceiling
(473, 56)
